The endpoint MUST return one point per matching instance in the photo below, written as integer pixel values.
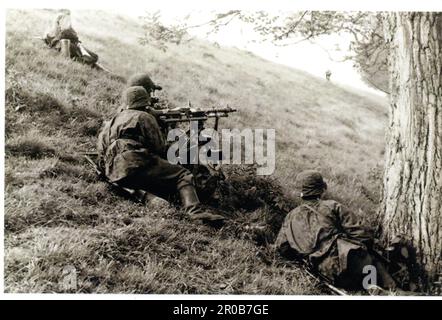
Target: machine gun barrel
(184, 119)
(189, 114)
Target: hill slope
(59, 216)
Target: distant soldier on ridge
(328, 75)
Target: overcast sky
(315, 58)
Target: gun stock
(138, 195)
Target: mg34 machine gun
(188, 114)
(206, 176)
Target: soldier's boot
(374, 290)
(192, 207)
(384, 276)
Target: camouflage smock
(127, 142)
(323, 232)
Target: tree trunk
(412, 198)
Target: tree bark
(412, 195)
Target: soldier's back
(310, 226)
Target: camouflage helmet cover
(143, 79)
(311, 183)
(136, 98)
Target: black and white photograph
(197, 149)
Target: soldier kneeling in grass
(131, 152)
(331, 240)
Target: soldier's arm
(151, 132)
(103, 144)
(351, 225)
(101, 149)
(282, 245)
(57, 37)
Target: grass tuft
(30, 147)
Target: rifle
(138, 195)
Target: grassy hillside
(58, 215)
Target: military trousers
(353, 276)
(160, 178)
